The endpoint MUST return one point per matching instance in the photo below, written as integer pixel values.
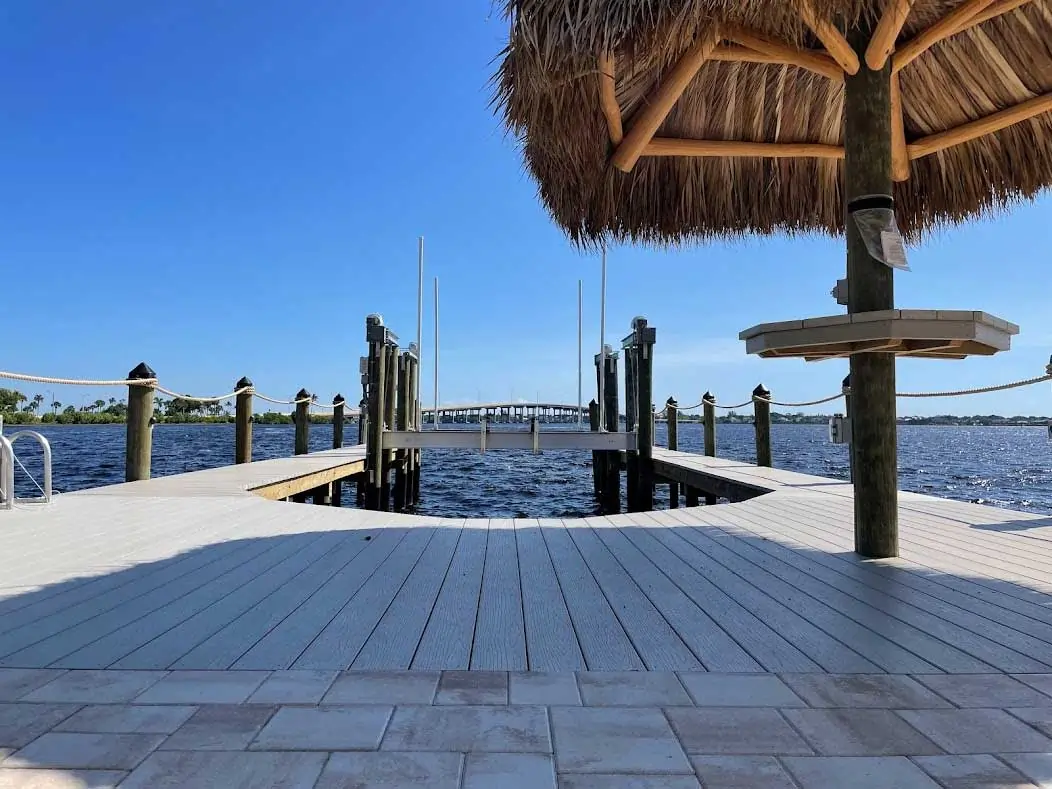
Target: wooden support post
(631, 419)
(390, 404)
(611, 464)
(709, 418)
(762, 423)
(376, 335)
(418, 424)
(301, 419)
(871, 287)
(139, 436)
(597, 456)
(645, 337)
(338, 405)
(401, 423)
(361, 481)
(243, 422)
(691, 496)
(672, 417)
(322, 494)
(845, 388)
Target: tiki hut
(673, 121)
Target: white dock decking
(192, 591)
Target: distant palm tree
(37, 400)
(99, 404)
(55, 405)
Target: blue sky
(228, 188)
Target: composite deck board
(656, 641)
(450, 629)
(393, 642)
(709, 642)
(604, 642)
(500, 632)
(222, 649)
(551, 642)
(339, 642)
(281, 647)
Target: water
(1001, 466)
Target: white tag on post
(894, 250)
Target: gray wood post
(401, 423)
(631, 422)
(672, 417)
(376, 335)
(360, 482)
(301, 419)
(645, 337)
(139, 437)
(338, 405)
(611, 483)
(597, 456)
(762, 424)
(845, 388)
(390, 403)
(243, 423)
(871, 287)
(418, 424)
(709, 418)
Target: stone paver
(295, 686)
(509, 771)
(735, 730)
(388, 770)
(739, 690)
(984, 690)
(383, 687)
(467, 728)
(858, 772)
(976, 731)
(550, 689)
(60, 779)
(96, 687)
(1041, 682)
(741, 772)
(971, 772)
(20, 724)
(86, 751)
(220, 727)
(631, 689)
(611, 740)
(204, 687)
(17, 682)
(1038, 717)
(860, 733)
(473, 687)
(586, 781)
(324, 729)
(888, 691)
(1035, 766)
(128, 719)
(230, 770)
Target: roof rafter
(882, 44)
(934, 143)
(666, 146)
(817, 62)
(836, 45)
(608, 97)
(952, 23)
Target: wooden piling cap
(141, 371)
(670, 121)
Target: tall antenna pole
(419, 320)
(602, 346)
(436, 353)
(580, 345)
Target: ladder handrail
(7, 474)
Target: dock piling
(845, 389)
(139, 437)
(644, 337)
(401, 423)
(672, 417)
(631, 419)
(338, 405)
(243, 422)
(611, 462)
(762, 422)
(301, 419)
(597, 456)
(709, 418)
(390, 403)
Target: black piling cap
(338, 400)
(672, 402)
(707, 396)
(243, 383)
(847, 382)
(302, 394)
(761, 391)
(141, 371)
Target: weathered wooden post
(401, 423)
(761, 403)
(644, 338)
(709, 418)
(360, 482)
(139, 438)
(871, 287)
(845, 389)
(301, 420)
(631, 419)
(390, 403)
(672, 422)
(376, 336)
(338, 405)
(418, 422)
(611, 463)
(243, 422)
(593, 425)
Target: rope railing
(195, 399)
(43, 379)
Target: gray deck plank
(394, 641)
(341, 639)
(604, 642)
(500, 633)
(280, 648)
(450, 630)
(551, 643)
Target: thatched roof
(577, 75)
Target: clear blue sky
(228, 188)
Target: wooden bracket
(883, 42)
(833, 40)
(608, 97)
(818, 62)
(900, 160)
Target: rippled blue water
(1003, 466)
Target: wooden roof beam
(817, 62)
(993, 10)
(832, 39)
(944, 28)
(883, 42)
(934, 143)
(608, 97)
(661, 101)
(665, 146)
(900, 160)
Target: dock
(142, 623)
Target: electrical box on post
(839, 429)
